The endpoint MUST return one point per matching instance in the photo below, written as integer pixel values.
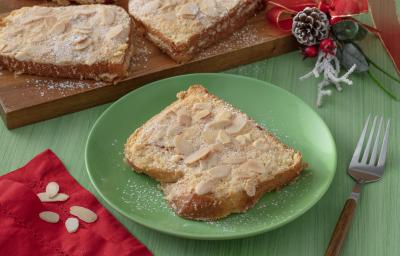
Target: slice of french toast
(211, 158)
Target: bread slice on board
(185, 27)
(82, 41)
(211, 158)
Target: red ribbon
(388, 25)
(282, 11)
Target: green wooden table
(376, 227)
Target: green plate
(137, 197)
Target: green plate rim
(143, 222)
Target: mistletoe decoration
(332, 41)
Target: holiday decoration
(310, 26)
(327, 30)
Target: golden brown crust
(157, 174)
(208, 207)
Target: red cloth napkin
(22, 232)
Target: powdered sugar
(239, 39)
(63, 87)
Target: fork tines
(380, 144)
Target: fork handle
(344, 222)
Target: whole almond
(83, 213)
(50, 217)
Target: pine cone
(310, 26)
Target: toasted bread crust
(209, 206)
(102, 71)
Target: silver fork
(365, 169)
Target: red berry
(310, 51)
(327, 46)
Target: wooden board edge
(98, 96)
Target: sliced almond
(189, 11)
(253, 165)
(173, 130)
(209, 162)
(60, 197)
(224, 115)
(50, 217)
(81, 42)
(182, 146)
(150, 7)
(235, 159)
(58, 28)
(197, 155)
(260, 144)
(38, 38)
(239, 122)
(83, 30)
(52, 189)
(107, 17)
(202, 106)
(72, 225)
(184, 119)
(87, 12)
(209, 136)
(204, 187)
(115, 31)
(201, 114)
(176, 158)
(31, 19)
(250, 187)
(209, 8)
(243, 139)
(219, 124)
(83, 45)
(83, 214)
(220, 171)
(191, 133)
(223, 137)
(22, 55)
(2, 47)
(217, 147)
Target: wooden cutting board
(27, 99)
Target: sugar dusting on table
(239, 39)
(63, 87)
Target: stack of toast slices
(210, 158)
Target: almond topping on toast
(197, 155)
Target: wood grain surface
(342, 227)
(376, 227)
(27, 99)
